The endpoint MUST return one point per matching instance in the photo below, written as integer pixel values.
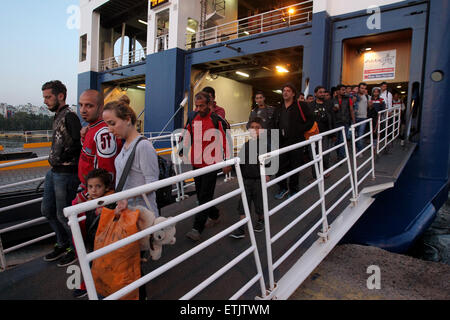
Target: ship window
(83, 47)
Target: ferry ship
(160, 53)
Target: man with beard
(61, 182)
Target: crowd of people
(110, 155)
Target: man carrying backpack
(206, 149)
(324, 116)
(344, 115)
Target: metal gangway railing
(26, 224)
(359, 154)
(296, 14)
(388, 127)
(85, 258)
(314, 144)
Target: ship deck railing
(296, 14)
(349, 205)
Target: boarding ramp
(23, 281)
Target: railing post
(355, 164)
(262, 169)
(318, 167)
(372, 149)
(2, 257)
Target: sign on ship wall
(379, 65)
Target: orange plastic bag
(121, 267)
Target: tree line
(26, 122)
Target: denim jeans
(59, 191)
(361, 131)
(341, 150)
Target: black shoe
(238, 234)
(79, 293)
(69, 258)
(57, 253)
(259, 226)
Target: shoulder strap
(127, 168)
(301, 111)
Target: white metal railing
(272, 20)
(317, 162)
(347, 175)
(19, 226)
(122, 60)
(84, 258)
(388, 127)
(31, 134)
(359, 154)
(162, 43)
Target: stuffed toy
(161, 237)
(154, 242)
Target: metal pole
(372, 149)
(355, 166)
(250, 229)
(2, 257)
(262, 170)
(318, 167)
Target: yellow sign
(155, 3)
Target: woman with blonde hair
(121, 121)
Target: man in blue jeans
(344, 115)
(61, 182)
(362, 101)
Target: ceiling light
(143, 22)
(281, 69)
(291, 10)
(403, 92)
(398, 87)
(367, 49)
(141, 87)
(246, 33)
(278, 91)
(190, 30)
(242, 74)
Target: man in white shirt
(386, 95)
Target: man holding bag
(295, 119)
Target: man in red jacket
(209, 145)
(99, 146)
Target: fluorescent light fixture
(141, 87)
(190, 30)
(403, 92)
(242, 74)
(398, 87)
(278, 91)
(143, 22)
(281, 69)
(246, 33)
(368, 49)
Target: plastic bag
(121, 267)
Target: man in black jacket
(324, 116)
(292, 126)
(61, 182)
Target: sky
(37, 46)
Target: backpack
(215, 120)
(164, 195)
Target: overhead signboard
(379, 65)
(156, 3)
